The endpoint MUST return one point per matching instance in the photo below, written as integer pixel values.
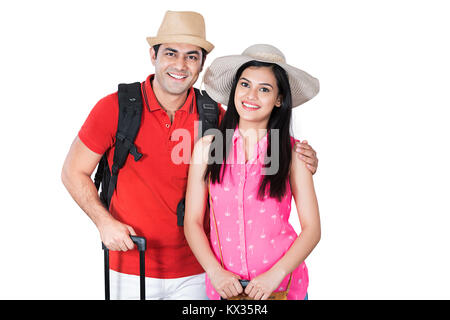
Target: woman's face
(256, 94)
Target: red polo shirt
(148, 191)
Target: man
(148, 191)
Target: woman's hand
(262, 286)
(225, 282)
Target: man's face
(177, 66)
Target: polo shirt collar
(153, 103)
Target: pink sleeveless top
(253, 234)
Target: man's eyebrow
(262, 83)
(189, 52)
(170, 49)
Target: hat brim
(218, 79)
(181, 39)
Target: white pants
(126, 287)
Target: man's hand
(116, 235)
(306, 153)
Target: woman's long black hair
(280, 119)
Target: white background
(379, 126)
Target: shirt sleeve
(99, 130)
(293, 141)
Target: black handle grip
(244, 283)
(140, 242)
(142, 246)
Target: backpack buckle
(135, 153)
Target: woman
(251, 174)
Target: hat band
(268, 57)
(195, 40)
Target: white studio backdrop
(379, 126)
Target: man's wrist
(102, 217)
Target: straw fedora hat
(219, 76)
(182, 27)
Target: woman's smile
(250, 106)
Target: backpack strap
(208, 114)
(130, 112)
(102, 177)
(99, 174)
(208, 111)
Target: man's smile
(177, 76)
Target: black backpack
(130, 112)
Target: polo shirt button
(167, 126)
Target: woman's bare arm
(224, 282)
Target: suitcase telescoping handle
(141, 244)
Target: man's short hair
(204, 52)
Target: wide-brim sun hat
(219, 76)
(182, 27)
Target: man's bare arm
(76, 177)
